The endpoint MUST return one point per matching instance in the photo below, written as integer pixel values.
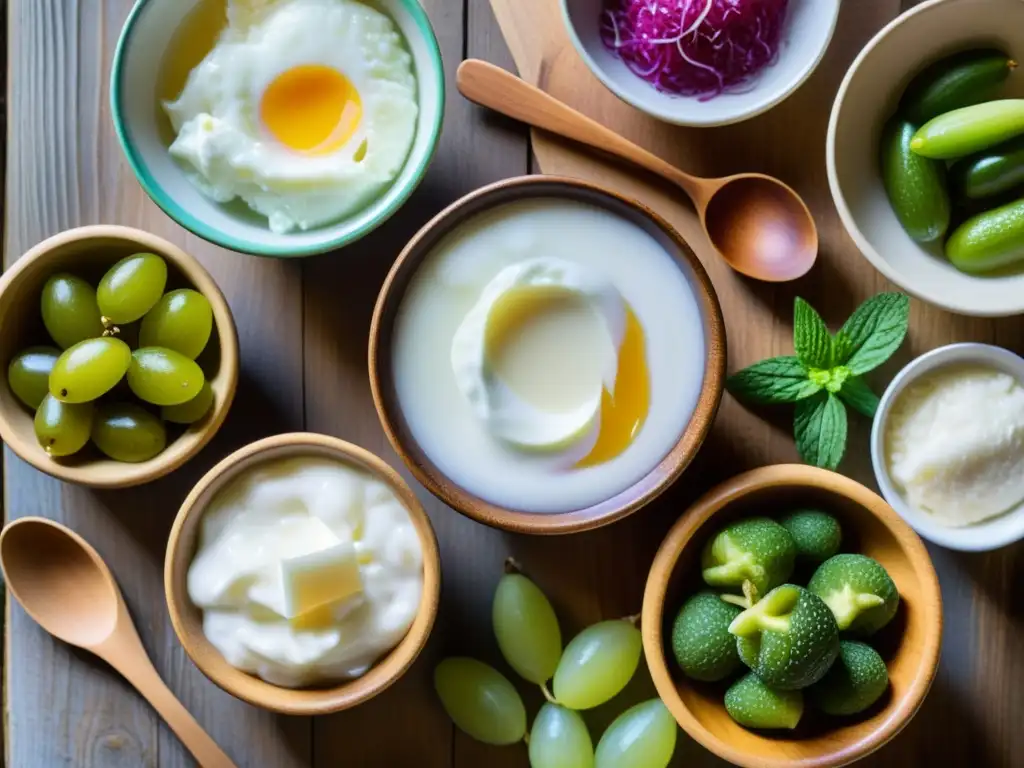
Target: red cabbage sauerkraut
(696, 48)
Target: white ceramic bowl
(866, 99)
(138, 121)
(986, 535)
(805, 39)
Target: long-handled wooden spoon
(758, 224)
(64, 585)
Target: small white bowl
(138, 122)
(808, 31)
(980, 537)
(867, 97)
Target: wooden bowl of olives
(120, 353)
(791, 618)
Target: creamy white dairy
(450, 408)
(954, 444)
(338, 75)
(307, 571)
(509, 336)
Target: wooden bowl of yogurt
(302, 575)
(546, 355)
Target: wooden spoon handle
(138, 670)
(494, 88)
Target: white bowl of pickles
(121, 356)
(925, 154)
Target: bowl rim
(258, 692)
(601, 513)
(952, 302)
(183, 217)
(682, 117)
(951, 538)
(224, 327)
(681, 534)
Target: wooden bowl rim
(193, 439)
(681, 534)
(624, 503)
(249, 688)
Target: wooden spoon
(758, 224)
(64, 585)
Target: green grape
(89, 369)
(69, 309)
(480, 700)
(164, 377)
(182, 320)
(643, 736)
(597, 664)
(128, 432)
(560, 739)
(62, 428)
(192, 411)
(526, 628)
(29, 374)
(131, 287)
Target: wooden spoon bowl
(909, 644)
(188, 619)
(88, 252)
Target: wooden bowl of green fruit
(791, 618)
(121, 356)
(925, 154)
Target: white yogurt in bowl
(547, 354)
(307, 571)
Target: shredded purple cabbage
(695, 47)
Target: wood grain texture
(302, 329)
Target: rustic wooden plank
(65, 170)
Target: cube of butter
(321, 577)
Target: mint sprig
(825, 374)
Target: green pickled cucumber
(789, 638)
(700, 638)
(990, 173)
(753, 704)
(859, 591)
(916, 185)
(965, 78)
(753, 556)
(990, 240)
(817, 534)
(972, 129)
(855, 682)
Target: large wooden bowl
(381, 369)
(188, 619)
(88, 252)
(909, 644)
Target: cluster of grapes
(593, 668)
(89, 326)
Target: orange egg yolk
(311, 108)
(623, 414)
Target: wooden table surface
(303, 326)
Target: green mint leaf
(811, 339)
(831, 379)
(857, 394)
(874, 331)
(842, 348)
(775, 380)
(820, 430)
